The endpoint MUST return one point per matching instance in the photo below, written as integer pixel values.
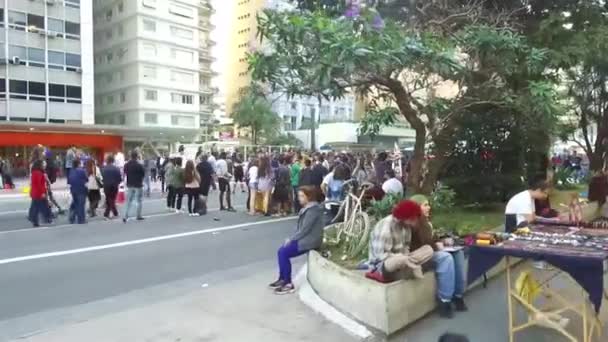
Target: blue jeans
(284, 255)
(296, 203)
(77, 208)
(39, 206)
(134, 195)
(147, 187)
(449, 270)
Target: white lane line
(3, 213)
(140, 241)
(31, 229)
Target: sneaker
(277, 284)
(177, 211)
(196, 215)
(460, 305)
(231, 209)
(107, 218)
(141, 218)
(124, 220)
(222, 209)
(445, 310)
(285, 289)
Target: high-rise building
(153, 63)
(46, 62)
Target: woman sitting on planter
(308, 236)
(449, 262)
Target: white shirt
(328, 178)
(221, 168)
(521, 205)
(253, 174)
(392, 186)
(211, 161)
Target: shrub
(443, 197)
(382, 208)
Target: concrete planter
(387, 308)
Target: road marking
(67, 225)
(140, 241)
(12, 212)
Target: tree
(255, 112)
(284, 139)
(486, 67)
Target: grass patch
(468, 220)
(559, 198)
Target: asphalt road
(46, 271)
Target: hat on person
(420, 199)
(407, 210)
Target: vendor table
(585, 264)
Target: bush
(384, 207)
(443, 197)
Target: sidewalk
(238, 310)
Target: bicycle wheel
(358, 233)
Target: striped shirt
(387, 239)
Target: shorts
(224, 184)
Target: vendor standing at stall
(521, 209)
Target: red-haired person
(308, 236)
(38, 191)
(389, 250)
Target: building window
(182, 120)
(56, 26)
(182, 77)
(123, 97)
(72, 3)
(149, 25)
(149, 72)
(109, 15)
(72, 30)
(56, 60)
(182, 56)
(109, 78)
(17, 53)
(35, 21)
(122, 119)
(109, 57)
(181, 11)
(17, 20)
(56, 92)
(74, 94)
(150, 49)
(35, 57)
(109, 34)
(151, 95)
(1, 17)
(121, 75)
(182, 33)
(121, 7)
(149, 3)
(72, 61)
(121, 30)
(18, 89)
(151, 118)
(36, 91)
(110, 99)
(2, 88)
(182, 98)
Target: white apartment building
(153, 63)
(298, 110)
(46, 61)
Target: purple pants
(285, 253)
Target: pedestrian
(111, 181)
(94, 186)
(177, 182)
(148, 166)
(265, 185)
(319, 171)
(70, 155)
(392, 185)
(223, 177)
(282, 187)
(206, 172)
(239, 175)
(306, 173)
(135, 173)
(77, 180)
(252, 176)
(380, 166)
(211, 159)
(38, 193)
(51, 170)
(448, 261)
(192, 182)
(308, 236)
(161, 162)
(294, 170)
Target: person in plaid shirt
(389, 248)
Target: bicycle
(355, 227)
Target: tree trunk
(254, 135)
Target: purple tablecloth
(584, 265)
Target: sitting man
(389, 249)
(521, 209)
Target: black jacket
(51, 170)
(318, 173)
(205, 170)
(306, 177)
(135, 174)
(111, 176)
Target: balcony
(205, 57)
